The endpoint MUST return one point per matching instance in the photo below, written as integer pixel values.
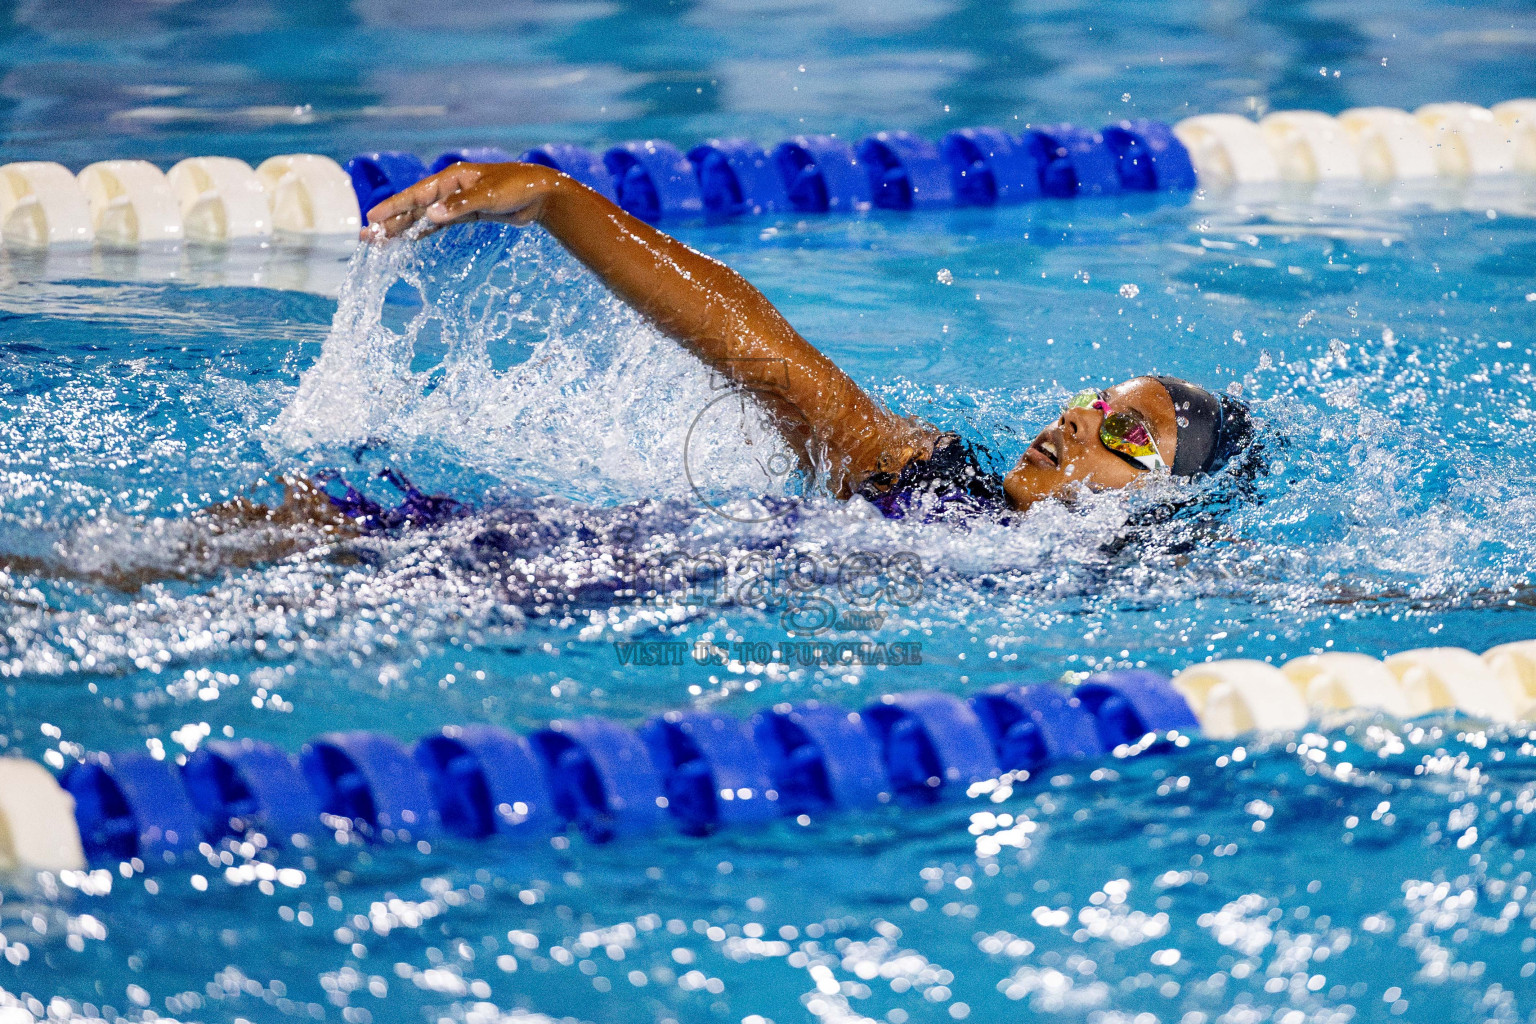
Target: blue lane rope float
(377, 176)
(989, 166)
(581, 164)
(601, 777)
(469, 155)
(1150, 157)
(704, 770)
(369, 781)
(217, 199)
(1078, 162)
(238, 786)
(1033, 726)
(654, 181)
(905, 172)
(933, 745)
(821, 174)
(486, 781)
(711, 770)
(736, 178)
(1125, 706)
(132, 805)
(820, 757)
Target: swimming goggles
(1126, 433)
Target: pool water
(1370, 869)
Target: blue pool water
(1373, 870)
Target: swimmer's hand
(507, 193)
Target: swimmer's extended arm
(698, 301)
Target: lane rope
(296, 198)
(699, 771)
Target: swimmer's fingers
(415, 200)
(507, 198)
(403, 209)
(507, 193)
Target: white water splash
(519, 365)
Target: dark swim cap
(1212, 428)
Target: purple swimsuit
(949, 483)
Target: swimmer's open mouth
(1044, 453)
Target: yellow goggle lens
(1126, 432)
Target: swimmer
(1102, 440)
(1135, 431)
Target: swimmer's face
(1068, 456)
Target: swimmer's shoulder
(951, 477)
